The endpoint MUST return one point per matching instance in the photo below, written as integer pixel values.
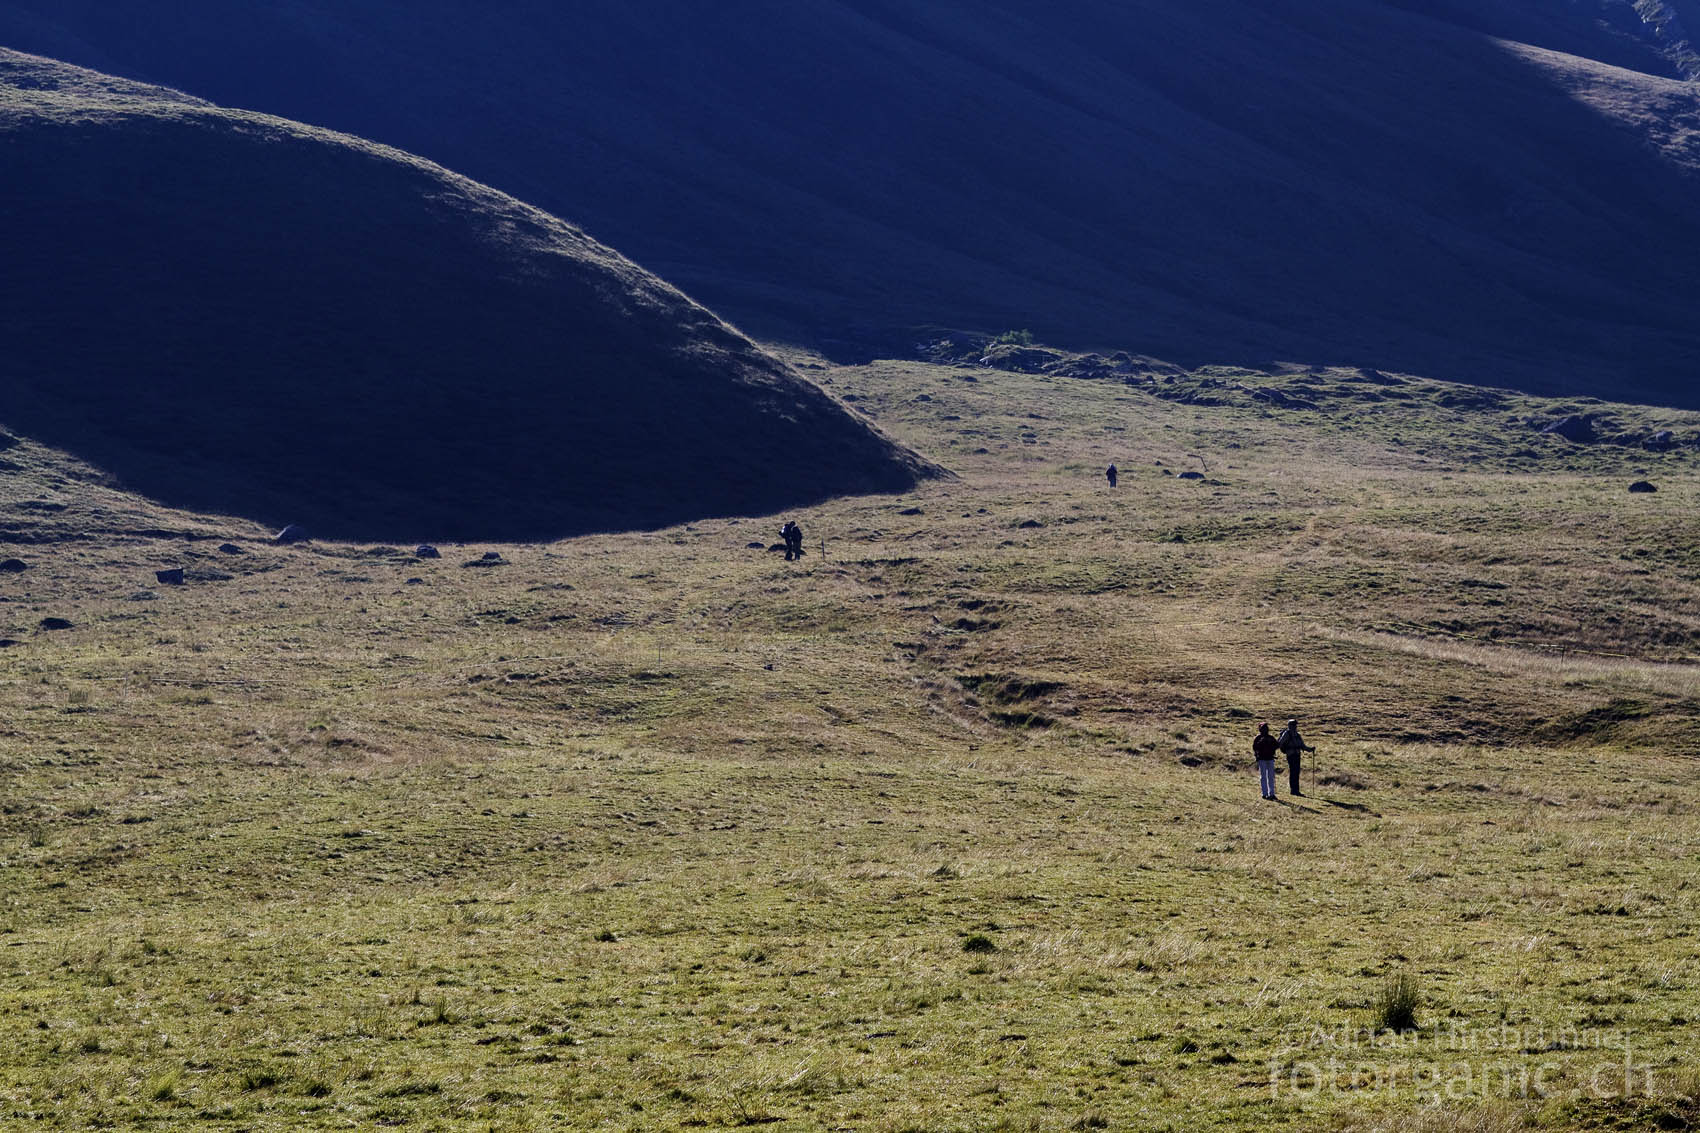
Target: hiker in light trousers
(1263, 748)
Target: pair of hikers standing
(1263, 749)
(793, 536)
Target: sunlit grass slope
(951, 825)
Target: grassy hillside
(1650, 36)
(949, 826)
(1335, 180)
(240, 314)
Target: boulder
(1021, 359)
(426, 551)
(490, 559)
(1642, 486)
(172, 577)
(55, 623)
(953, 346)
(230, 549)
(1189, 474)
(294, 533)
(1575, 428)
(13, 566)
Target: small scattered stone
(490, 559)
(294, 533)
(756, 545)
(172, 577)
(13, 566)
(55, 623)
(230, 549)
(1642, 486)
(416, 582)
(910, 511)
(1189, 474)
(426, 551)
(1030, 523)
(8, 642)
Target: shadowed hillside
(1365, 181)
(236, 313)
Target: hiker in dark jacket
(1110, 475)
(1291, 744)
(1263, 748)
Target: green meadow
(951, 825)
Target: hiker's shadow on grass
(1359, 808)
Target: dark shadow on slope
(233, 314)
(1337, 181)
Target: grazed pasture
(949, 826)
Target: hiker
(1110, 475)
(793, 536)
(1263, 747)
(1291, 744)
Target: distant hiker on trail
(793, 536)
(1110, 475)
(1263, 747)
(1291, 744)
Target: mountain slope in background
(236, 313)
(1396, 182)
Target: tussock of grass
(1395, 1006)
